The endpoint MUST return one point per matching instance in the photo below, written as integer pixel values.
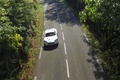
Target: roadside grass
(27, 68)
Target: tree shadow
(99, 71)
(60, 13)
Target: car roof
(50, 30)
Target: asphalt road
(73, 58)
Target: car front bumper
(50, 43)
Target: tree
(10, 42)
(103, 19)
(17, 23)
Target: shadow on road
(99, 71)
(59, 12)
(49, 48)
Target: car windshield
(50, 34)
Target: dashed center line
(68, 75)
(67, 66)
(65, 48)
(63, 36)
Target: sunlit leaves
(9, 39)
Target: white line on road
(65, 48)
(40, 52)
(61, 26)
(63, 36)
(87, 39)
(84, 35)
(35, 78)
(68, 75)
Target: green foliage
(104, 11)
(21, 13)
(17, 26)
(9, 38)
(103, 16)
(10, 42)
(91, 11)
(4, 10)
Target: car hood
(50, 39)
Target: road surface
(73, 58)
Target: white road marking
(84, 35)
(68, 75)
(35, 78)
(63, 36)
(40, 53)
(61, 26)
(65, 48)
